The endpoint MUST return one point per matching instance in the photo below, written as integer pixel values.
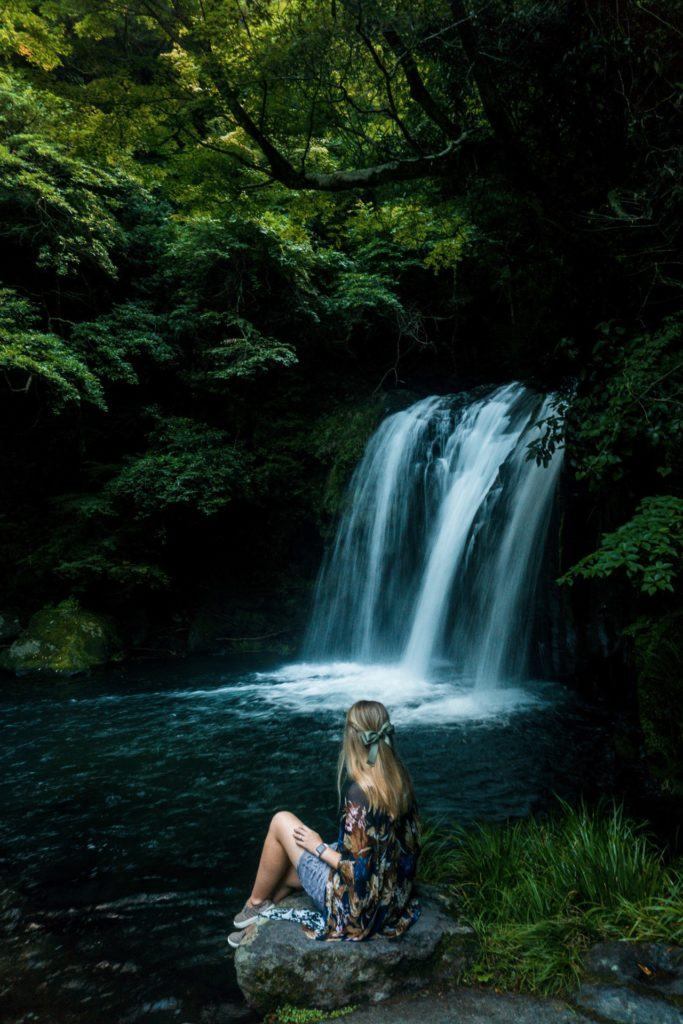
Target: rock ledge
(277, 964)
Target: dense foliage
(230, 231)
(539, 893)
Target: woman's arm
(309, 840)
(354, 856)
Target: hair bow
(372, 739)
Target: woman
(362, 884)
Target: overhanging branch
(380, 174)
(278, 166)
(281, 169)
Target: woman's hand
(306, 838)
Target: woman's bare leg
(288, 885)
(279, 855)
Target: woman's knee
(282, 820)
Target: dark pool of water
(133, 804)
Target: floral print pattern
(371, 891)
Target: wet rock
(469, 1006)
(621, 1005)
(64, 639)
(10, 627)
(652, 965)
(227, 1013)
(163, 1007)
(277, 964)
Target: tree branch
(379, 63)
(379, 174)
(494, 109)
(418, 90)
(280, 168)
(520, 166)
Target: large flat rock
(469, 1006)
(277, 964)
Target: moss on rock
(339, 441)
(64, 639)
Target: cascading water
(438, 555)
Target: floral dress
(370, 893)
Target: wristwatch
(320, 849)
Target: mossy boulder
(63, 639)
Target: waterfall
(438, 554)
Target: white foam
(308, 688)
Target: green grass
(539, 892)
(300, 1015)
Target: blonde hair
(386, 783)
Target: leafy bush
(628, 408)
(538, 893)
(63, 209)
(625, 413)
(188, 463)
(113, 341)
(29, 355)
(648, 547)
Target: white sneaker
(248, 914)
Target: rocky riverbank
(417, 978)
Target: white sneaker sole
(245, 924)
(233, 944)
(252, 919)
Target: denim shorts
(314, 874)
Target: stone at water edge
(10, 627)
(619, 1004)
(63, 639)
(277, 964)
(633, 983)
(653, 966)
